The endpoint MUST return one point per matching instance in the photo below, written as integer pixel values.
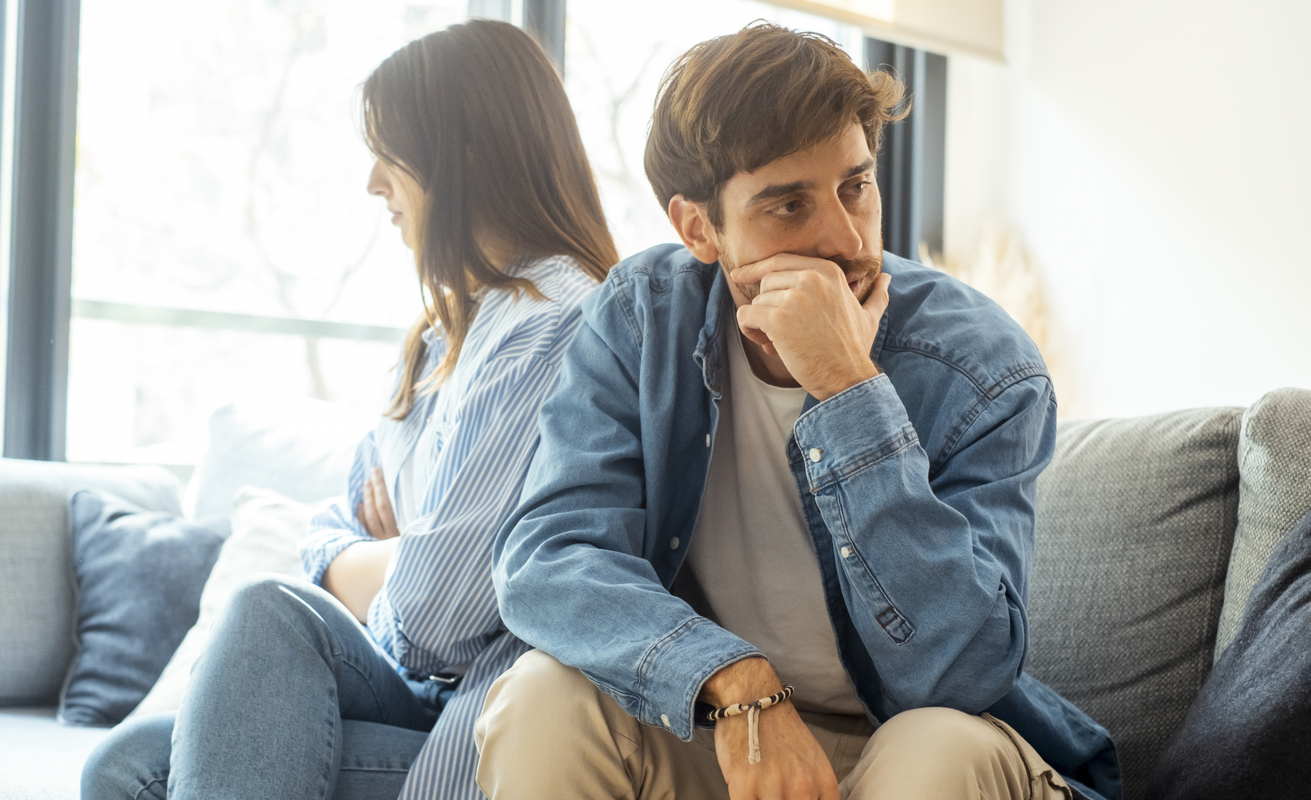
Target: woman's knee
(255, 595)
(132, 762)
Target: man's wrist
(741, 682)
(858, 375)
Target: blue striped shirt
(471, 443)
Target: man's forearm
(356, 575)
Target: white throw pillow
(266, 532)
(300, 449)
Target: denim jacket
(917, 486)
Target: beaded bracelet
(752, 710)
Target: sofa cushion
(1274, 469)
(139, 576)
(1135, 521)
(302, 450)
(266, 532)
(36, 564)
(42, 760)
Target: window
(203, 236)
(224, 247)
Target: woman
(482, 167)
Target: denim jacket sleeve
(571, 571)
(933, 557)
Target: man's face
(820, 202)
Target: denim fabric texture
(1248, 733)
(291, 699)
(918, 486)
(139, 575)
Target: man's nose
(838, 235)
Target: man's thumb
(877, 302)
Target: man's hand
(807, 314)
(792, 764)
(374, 512)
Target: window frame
(40, 241)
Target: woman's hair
(477, 115)
(735, 103)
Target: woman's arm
(437, 607)
(355, 576)
(336, 528)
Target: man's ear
(693, 225)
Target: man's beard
(865, 269)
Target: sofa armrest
(37, 607)
(1274, 492)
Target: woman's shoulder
(560, 279)
(515, 322)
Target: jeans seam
(379, 706)
(149, 784)
(327, 777)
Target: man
(778, 456)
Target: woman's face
(402, 194)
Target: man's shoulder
(665, 283)
(938, 322)
(657, 269)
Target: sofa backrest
(37, 605)
(1135, 524)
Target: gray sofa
(1151, 533)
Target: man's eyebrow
(779, 190)
(864, 166)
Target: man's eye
(788, 208)
(859, 187)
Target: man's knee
(541, 720)
(132, 762)
(540, 687)
(946, 736)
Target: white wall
(1155, 158)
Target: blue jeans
(291, 699)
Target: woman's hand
(356, 575)
(375, 512)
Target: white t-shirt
(751, 550)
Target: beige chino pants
(547, 732)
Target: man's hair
(735, 103)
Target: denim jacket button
(846, 552)
(816, 454)
(707, 440)
(673, 543)
(664, 719)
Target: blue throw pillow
(139, 575)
